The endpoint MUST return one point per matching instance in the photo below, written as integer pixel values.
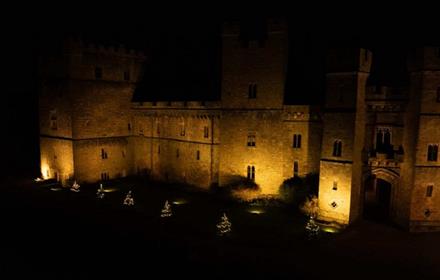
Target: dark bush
(295, 190)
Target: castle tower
(421, 171)
(343, 135)
(253, 77)
(254, 62)
(85, 116)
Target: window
(158, 149)
(198, 155)
(252, 91)
(438, 95)
(251, 172)
(295, 168)
(129, 127)
(341, 93)
(103, 154)
(432, 152)
(126, 75)
(104, 176)
(182, 129)
(98, 73)
(335, 186)
(251, 139)
(429, 190)
(337, 148)
(383, 139)
(206, 132)
(177, 153)
(297, 140)
(158, 128)
(53, 120)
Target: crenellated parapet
(176, 105)
(301, 113)
(75, 44)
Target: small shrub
(245, 195)
(242, 189)
(310, 206)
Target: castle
(373, 146)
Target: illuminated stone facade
(363, 136)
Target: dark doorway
(377, 200)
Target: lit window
(432, 152)
(251, 139)
(429, 190)
(297, 140)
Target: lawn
(63, 234)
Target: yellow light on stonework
(45, 173)
(110, 190)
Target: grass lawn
(62, 234)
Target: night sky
(184, 43)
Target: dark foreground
(66, 235)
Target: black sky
(183, 44)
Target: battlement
(426, 58)
(301, 113)
(384, 92)
(273, 26)
(176, 105)
(78, 45)
(340, 60)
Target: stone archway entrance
(377, 199)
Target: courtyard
(59, 234)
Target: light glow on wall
(45, 171)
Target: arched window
(295, 168)
(251, 172)
(379, 139)
(387, 138)
(337, 148)
(432, 152)
(438, 94)
(252, 91)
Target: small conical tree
(166, 211)
(100, 192)
(129, 201)
(224, 226)
(312, 228)
(75, 187)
